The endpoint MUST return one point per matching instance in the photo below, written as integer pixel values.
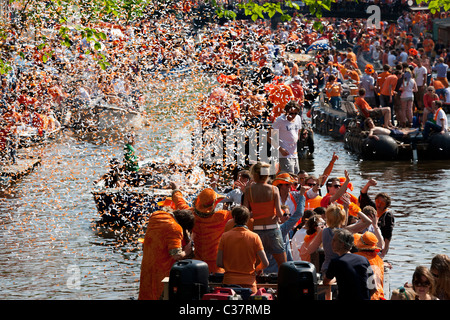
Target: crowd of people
(261, 79)
(263, 76)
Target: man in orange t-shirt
(382, 76)
(387, 91)
(239, 252)
(375, 113)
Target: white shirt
(419, 73)
(296, 243)
(407, 89)
(288, 134)
(441, 119)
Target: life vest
(436, 115)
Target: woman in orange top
(334, 90)
(166, 241)
(263, 201)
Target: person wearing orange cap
(368, 245)
(368, 83)
(166, 241)
(209, 224)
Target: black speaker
(297, 280)
(188, 280)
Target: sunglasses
(337, 186)
(421, 284)
(312, 184)
(293, 113)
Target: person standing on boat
(385, 215)
(351, 271)
(166, 241)
(209, 223)
(368, 245)
(131, 159)
(289, 127)
(239, 252)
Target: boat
(11, 173)
(30, 137)
(347, 125)
(130, 204)
(412, 147)
(103, 116)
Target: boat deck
(9, 173)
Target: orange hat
(342, 180)
(367, 241)
(206, 202)
(167, 203)
(283, 178)
(369, 69)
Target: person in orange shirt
(428, 45)
(209, 224)
(333, 90)
(239, 252)
(382, 76)
(351, 56)
(368, 245)
(369, 112)
(387, 91)
(166, 241)
(353, 75)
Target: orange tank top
(264, 209)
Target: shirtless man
(395, 133)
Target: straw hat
(206, 202)
(283, 178)
(367, 241)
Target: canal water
(51, 247)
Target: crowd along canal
(51, 249)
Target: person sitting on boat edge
(375, 131)
(438, 123)
(209, 223)
(367, 111)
